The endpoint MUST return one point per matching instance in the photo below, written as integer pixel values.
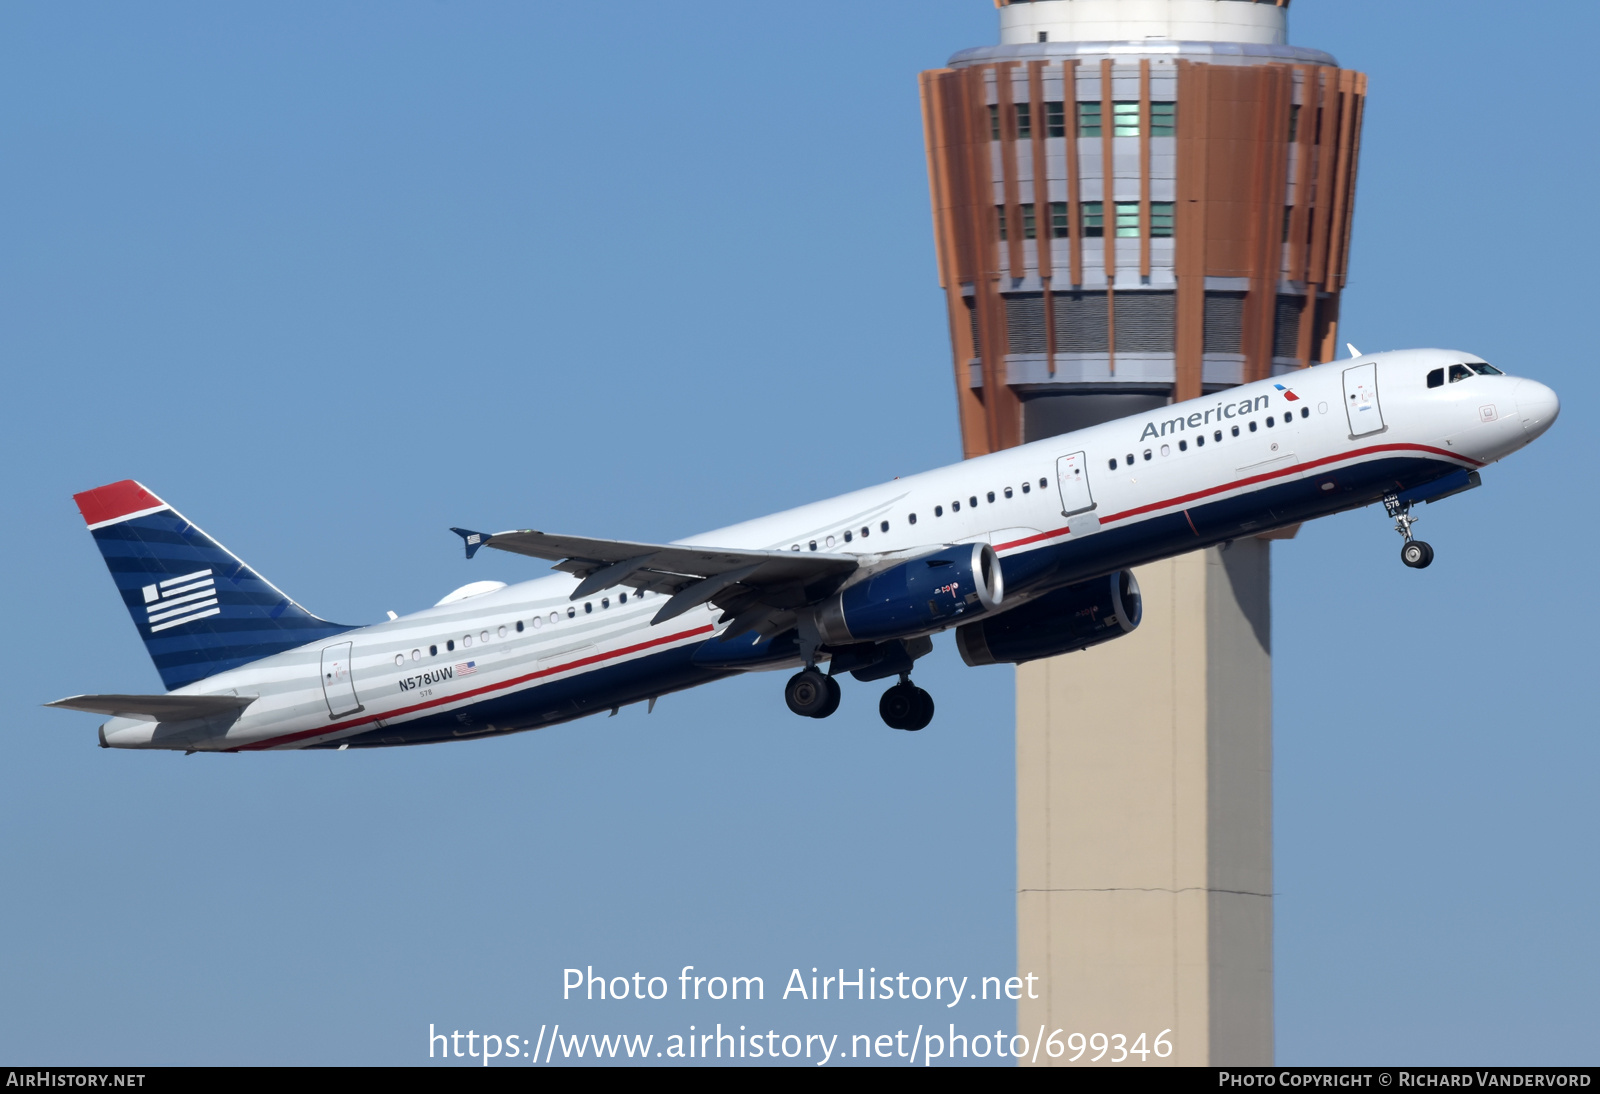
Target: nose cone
(1537, 406)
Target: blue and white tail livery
(1023, 554)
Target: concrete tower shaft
(1135, 220)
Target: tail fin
(198, 608)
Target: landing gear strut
(1413, 552)
(906, 706)
(810, 694)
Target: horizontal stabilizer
(156, 708)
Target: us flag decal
(180, 600)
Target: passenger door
(1072, 474)
(1361, 400)
(338, 685)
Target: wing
(156, 708)
(757, 590)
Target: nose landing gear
(1414, 552)
(906, 706)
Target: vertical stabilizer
(199, 609)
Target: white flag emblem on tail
(180, 600)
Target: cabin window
(450, 645)
(865, 531)
(1043, 483)
(1217, 436)
(829, 542)
(1113, 463)
(1147, 455)
(990, 496)
(622, 599)
(938, 510)
(537, 622)
(1269, 421)
(1200, 440)
(399, 659)
(587, 607)
(1252, 427)
(466, 641)
(813, 545)
(519, 626)
(1130, 459)
(555, 617)
(433, 651)
(911, 518)
(416, 655)
(1235, 431)
(848, 537)
(1026, 488)
(883, 526)
(605, 602)
(1183, 446)
(1166, 450)
(973, 501)
(1305, 412)
(955, 507)
(484, 637)
(1008, 491)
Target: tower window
(1162, 220)
(1093, 213)
(1000, 214)
(1044, 36)
(1164, 120)
(1029, 229)
(1024, 121)
(1294, 122)
(994, 122)
(1060, 225)
(1124, 119)
(1055, 119)
(1127, 219)
(1089, 119)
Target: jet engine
(914, 597)
(1073, 618)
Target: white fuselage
(1238, 462)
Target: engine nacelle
(914, 597)
(1073, 618)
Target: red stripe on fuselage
(274, 742)
(1292, 469)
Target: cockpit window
(1459, 372)
(1436, 378)
(1483, 368)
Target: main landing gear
(1413, 552)
(906, 706)
(812, 694)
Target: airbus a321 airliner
(1024, 553)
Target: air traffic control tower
(1135, 202)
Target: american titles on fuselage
(1199, 419)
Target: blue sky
(332, 278)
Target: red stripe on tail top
(104, 504)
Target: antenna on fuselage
(1353, 351)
